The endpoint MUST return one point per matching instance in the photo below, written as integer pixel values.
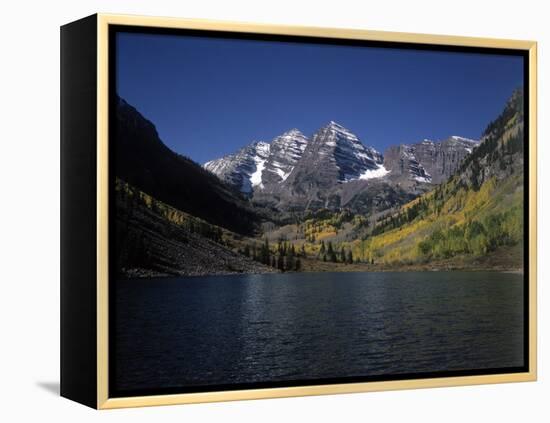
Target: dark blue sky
(209, 97)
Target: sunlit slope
(476, 212)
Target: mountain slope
(144, 161)
(477, 211)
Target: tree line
(283, 257)
(329, 253)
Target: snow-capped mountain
(333, 169)
(265, 166)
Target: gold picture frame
(102, 23)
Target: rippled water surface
(192, 332)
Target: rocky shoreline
(136, 273)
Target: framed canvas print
(254, 211)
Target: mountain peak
(294, 135)
(293, 132)
(334, 124)
(340, 132)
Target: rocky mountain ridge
(333, 169)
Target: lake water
(188, 333)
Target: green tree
(425, 247)
(264, 252)
(281, 263)
(330, 252)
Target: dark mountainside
(143, 160)
(154, 239)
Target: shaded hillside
(476, 212)
(154, 239)
(144, 161)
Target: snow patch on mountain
(256, 176)
(425, 179)
(353, 159)
(379, 172)
(282, 174)
(467, 140)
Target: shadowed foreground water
(182, 332)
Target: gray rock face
(427, 161)
(401, 161)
